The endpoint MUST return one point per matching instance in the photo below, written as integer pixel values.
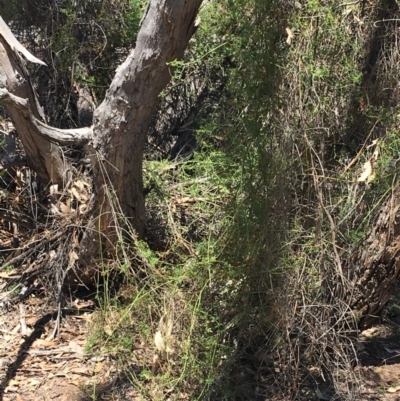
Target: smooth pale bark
(43, 157)
(121, 122)
(40, 141)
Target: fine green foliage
(165, 326)
(217, 222)
(97, 37)
(242, 272)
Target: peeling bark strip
(374, 268)
(121, 122)
(12, 41)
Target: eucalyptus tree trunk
(115, 142)
(121, 122)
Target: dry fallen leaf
(75, 239)
(108, 330)
(373, 143)
(77, 383)
(79, 303)
(52, 367)
(290, 36)
(16, 329)
(13, 382)
(73, 345)
(159, 341)
(4, 275)
(185, 199)
(99, 367)
(15, 202)
(372, 332)
(79, 192)
(375, 154)
(79, 371)
(393, 389)
(31, 320)
(32, 381)
(39, 343)
(64, 209)
(367, 172)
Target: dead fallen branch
(28, 250)
(21, 219)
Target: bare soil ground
(36, 366)
(379, 358)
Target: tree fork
(122, 120)
(120, 123)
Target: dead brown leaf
(73, 255)
(39, 343)
(79, 371)
(393, 389)
(367, 172)
(185, 199)
(99, 367)
(64, 209)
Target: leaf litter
(48, 368)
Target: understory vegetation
(273, 148)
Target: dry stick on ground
(22, 219)
(362, 148)
(60, 284)
(328, 215)
(29, 251)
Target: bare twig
(30, 250)
(362, 148)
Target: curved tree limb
(41, 142)
(74, 136)
(14, 44)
